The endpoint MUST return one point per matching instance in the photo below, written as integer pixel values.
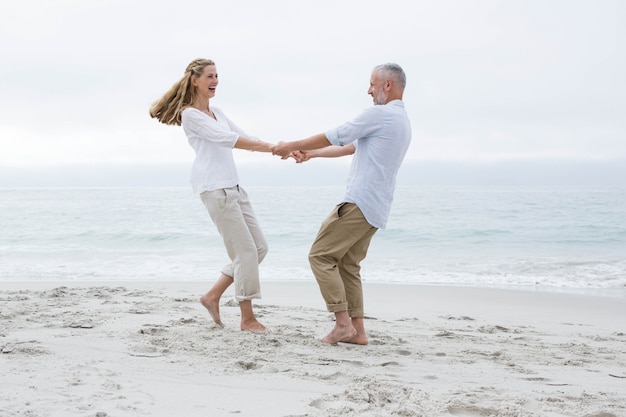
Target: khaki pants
(232, 214)
(335, 257)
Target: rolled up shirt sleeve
(365, 124)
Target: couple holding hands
(378, 138)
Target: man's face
(377, 88)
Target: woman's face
(207, 82)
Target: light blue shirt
(381, 135)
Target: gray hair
(394, 71)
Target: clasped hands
(283, 149)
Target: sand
(150, 349)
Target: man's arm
(327, 152)
(283, 149)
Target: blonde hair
(182, 94)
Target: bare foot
(252, 325)
(213, 306)
(361, 337)
(340, 334)
(357, 339)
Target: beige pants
(232, 214)
(335, 257)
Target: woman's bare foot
(252, 325)
(211, 300)
(213, 306)
(248, 319)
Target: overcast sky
(488, 81)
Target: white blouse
(213, 141)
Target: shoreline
(592, 291)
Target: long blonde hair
(168, 108)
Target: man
(379, 138)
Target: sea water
(542, 237)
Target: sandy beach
(150, 349)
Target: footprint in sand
(247, 366)
(152, 329)
(390, 363)
(83, 324)
(470, 411)
(146, 351)
(493, 329)
(463, 318)
(31, 347)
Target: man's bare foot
(361, 337)
(340, 334)
(357, 339)
(213, 306)
(252, 325)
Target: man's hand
(282, 149)
(301, 156)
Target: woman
(214, 177)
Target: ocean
(550, 238)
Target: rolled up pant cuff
(335, 308)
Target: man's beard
(380, 97)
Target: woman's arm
(253, 145)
